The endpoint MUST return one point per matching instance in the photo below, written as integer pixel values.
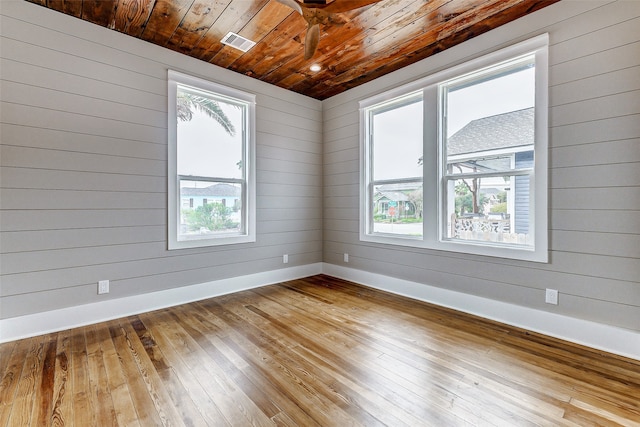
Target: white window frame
(434, 223)
(248, 233)
(372, 183)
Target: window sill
(210, 241)
(522, 253)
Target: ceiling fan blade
(344, 5)
(293, 4)
(311, 41)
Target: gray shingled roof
(513, 129)
(215, 190)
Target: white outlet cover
(103, 287)
(551, 296)
(285, 258)
(346, 257)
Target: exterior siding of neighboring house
(523, 159)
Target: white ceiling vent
(237, 41)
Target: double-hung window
(211, 170)
(395, 186)
(458, 160)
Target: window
(458, 161)
(395, 189)
(211, 164)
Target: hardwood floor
(313, 352)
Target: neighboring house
(391, 196)
(489, 142)
(226, 194)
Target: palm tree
(188, 102)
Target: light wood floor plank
(231, 364)
(5, 358)
(168, 413)
(162, 330)
(123, 406)
(348, 394)
(84, 406)
(255, 347)
(143, 401)
(24, 399)
(350, 344)
(14, 362)
(211, 376)
(312, 352)
(62, 409)
(98, 380)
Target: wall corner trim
(623, 342)
(71, 317)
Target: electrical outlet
(103, 287)
(346, 257)
(285, 258)
(551, 296)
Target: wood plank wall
(594, 195)
(84, 160)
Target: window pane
(210, 135)
(480, 102)
(490, 128)
(397, 140)
(209, 208)
(397, 208)
(495, 209)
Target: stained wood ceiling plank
(132, 15)
(362, 23)
(234, 18)
(351, 71)
(292, 60)
(279, 57)
(371, 41)
(70, 7)
(423, 21)
(99, 11)
(226, 56)
(366, 51)
(195, 24)
(256, 30)
(270, 45)
(462, 28)
(165, 18)
(294, 78)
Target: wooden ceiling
(359, 46)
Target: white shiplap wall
(84, 159)
(594, 194)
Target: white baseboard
(624, 342)
(66, 318)
(596, 335)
